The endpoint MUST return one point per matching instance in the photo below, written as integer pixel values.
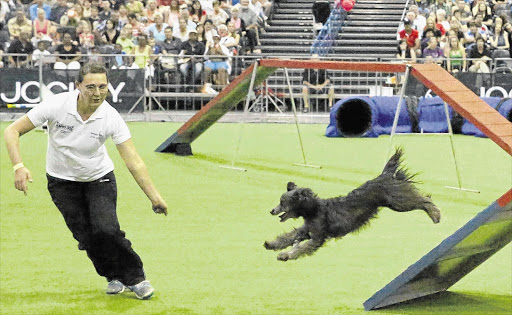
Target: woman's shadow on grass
(454, 303)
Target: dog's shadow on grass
(453, 303)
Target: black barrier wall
(19, 88)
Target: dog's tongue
(283, 217)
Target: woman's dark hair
(91, 67)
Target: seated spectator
(58, 10)
(209, 29)
(106, 12)
(122, 18)
(439, 30)
(251, 22)
(234, 33)
(125, 39)
(481, 57)
(508, 27)
(427, 34)
(485, 11)
(41, 28)
(94, 19)
(404, 52)
(170, 47)
(410, 35)
(41, 53)
(216, 56)
(440, 5)
(433, 53)
(110, 34)
(483, 30)
(218, 16)
(182, 31)
(455, 55)
(64, 28)
(201, 35)
(197, 14)
(192, 65)
(150, 10)
(173, 14)
(19, 23)
(87, 9)
(76, 14)
(67, 54)
(86, 38)
(143, 55)
(39, 4)
(464, 12)
(136, 26)
(21, 45)
(248, 39)
(225, 39)
(184, 15)
(128, 63)
(135, 7)
(499, 40)
(316, 81)
(157, 29)
(471, 35)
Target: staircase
(369, 30)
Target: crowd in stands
(153, 34)
(461, 35)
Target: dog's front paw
(283, 256)
(268, 245)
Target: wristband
(17, 166)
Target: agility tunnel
(363, 116)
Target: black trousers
(89, 209)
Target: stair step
(364, 11)
(387, 6)
(290, 35)
(360, 30)
(280, 17)
(373, 23)
(351, 36)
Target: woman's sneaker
(115, 287)
(142, 290)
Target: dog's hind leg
(410, 199)
(288, 239)
(302, 249)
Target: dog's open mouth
(283, 217)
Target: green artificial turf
(207, 256)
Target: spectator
(234, 33)
(427, 34)
(39, 4)
(182, 31)
(465, 12)
(58, 10)
(21, 45)
(420, 18)
(433, 53)
(508, 27)
(135, 7)
(471, 35)
(207, 5)
(125, 39)
(251, 21)
(404, 52)
(480, 56)
(64, 28)
(499, 42)
(201, 36)
(483, 30)
(184, 15)
(442, 19)
(410, 35)
(143, 55)
(441, 5)
(86, 38)
(41, 53)
(41, 28)
(191, 65)
(485, 11)
(157, 29)
(316, 81)
(208, 32)
(173, 13)
(123, 16)
(216, 56)
(197, 13)
(18, 24)
(225, 38)
(67, 54)
(150, 10)
(218, 16)
(94, 19)
(87, 9)
(455, 55)
(136, 26)
(439, 30)
(110, 35)
(169, 47)
(106, 11)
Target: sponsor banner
(19, 88)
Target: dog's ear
(290, 186)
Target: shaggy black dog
(335, 217)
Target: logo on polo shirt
(64, 128)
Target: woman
(173, 13)
(197, 14)
(404, 52)
(201, 36)
(455, 55)
(233, 32)
(218, 16)
(123, 17)
(110, 34)
(41, 28)
(499, 40)
(149, 12)
(485, 11)
(86, 38)
(142, 52)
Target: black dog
(335, 217)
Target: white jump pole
(246, 111)
(294, 108)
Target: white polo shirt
(76, 149)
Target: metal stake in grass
(294, 108)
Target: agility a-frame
(458, 254)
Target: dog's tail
(395, 168)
